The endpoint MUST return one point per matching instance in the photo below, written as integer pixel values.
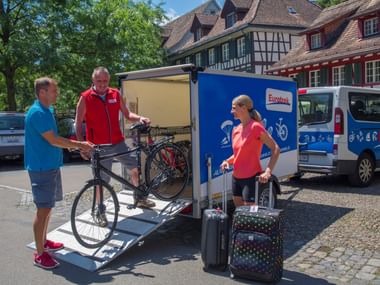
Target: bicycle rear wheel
(167, 171)
(93, 222)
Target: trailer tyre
(264, 195)
(364, 171)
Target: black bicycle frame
(97, 167)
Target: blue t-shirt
(39, 154)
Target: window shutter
(232, 49)
(248, 44)
(357, 74)
(301, 79)
(348, 74)
(324, 76)
(307, 42)
(360, 29)
(204, 58)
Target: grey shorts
(46, 187)
(128, 160)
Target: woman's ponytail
(255, 115)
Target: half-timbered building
(244, 35)
(341, 47)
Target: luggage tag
(254, 209)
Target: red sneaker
(52, 245)
(45, 261)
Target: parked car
(12, 135)
(66, 129)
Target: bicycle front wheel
(167, 171)
(94, 214)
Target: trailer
(195, 104)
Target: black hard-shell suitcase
(215, 236)
(257, 243)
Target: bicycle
(166, 175)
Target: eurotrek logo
(278, 100)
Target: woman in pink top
(247, 142)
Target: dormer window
(371, 26)
(198, 34)
(315, 41)
(230, 20)
(291, 10)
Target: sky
(176, 8)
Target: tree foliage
(67, 39)
(328, 3)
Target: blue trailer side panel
(274, 99)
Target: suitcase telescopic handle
(257, 182)
(224, 197)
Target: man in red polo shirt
(99, 106)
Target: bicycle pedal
(132, 206)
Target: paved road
(74, 174)
(332, 237)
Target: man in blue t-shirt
(43, 159)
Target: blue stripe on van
(363, 135)
(316, 140)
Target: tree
(328, 3)
(67, 39)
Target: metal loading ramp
(133, 226)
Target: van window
(365, 106)
(315, 108)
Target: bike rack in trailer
(132, 227)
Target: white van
(339, 132)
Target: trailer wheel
(364, 171)
(264, 195)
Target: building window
(291, 10)
(241, 47)
(371, 26)
(293, 75)
(211, 56)
(178, 61)
(198, 59)
(372, 71)
(198, 34)
(225, 52)
(315, 78)
(315, 41)
(187, 59)
(338, 75)
(230, 20)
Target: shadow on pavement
(179, 241)
(334, 183)
(305, 221)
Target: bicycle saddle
(142, 128)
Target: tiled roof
(181, 27)
(347, 44)
(206, 20)
(245, 4)
(368, 7)
(333, 13)
(275, 12)
(261, 12)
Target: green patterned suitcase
(257, 244)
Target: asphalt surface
(169, 256)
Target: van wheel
(364, 171)
(264, 195)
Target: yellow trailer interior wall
(165, 102)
